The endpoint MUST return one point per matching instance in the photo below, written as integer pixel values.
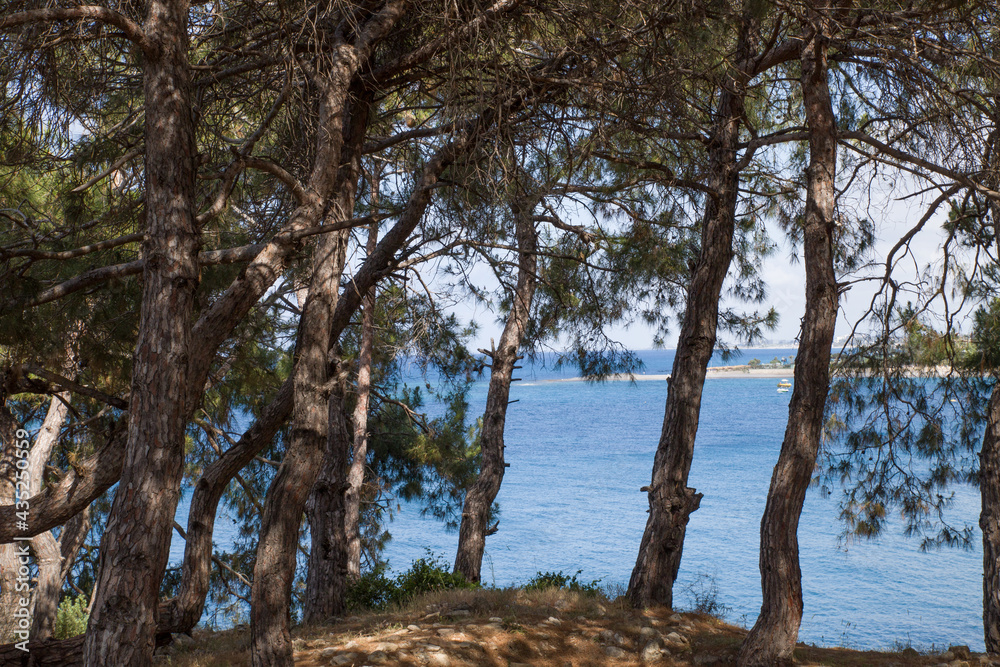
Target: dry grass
(524, 634)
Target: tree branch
(130, 30)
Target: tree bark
(48, 586)
(359, 457)
(479, 499)
(46, 653)
(989, 522)
(286, 498)
(274, 570)
(671, 500)
(772, 639)
(48, 555)
(135, 543)
(326, 508)
(9, 596)
(326, 579)
(182, 612)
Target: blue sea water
(570, 500)
(579, 453)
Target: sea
(580, 451)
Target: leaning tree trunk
(182, 612)
(989, 522)
(771, 641)
(671, 500)
(135, 545)
(71, 540)
(479, 499)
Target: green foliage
(985, 354)
(375, 590)
(428, 574)
(900, 433)
(544, 580)
(71, 618)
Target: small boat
(782, 390)
(784, 384)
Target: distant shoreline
(743, 372)
(714, 373)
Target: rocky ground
(514, 628)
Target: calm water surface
(570, 501)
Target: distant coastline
(714, 373)
(746, 372)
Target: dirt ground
(515, 628)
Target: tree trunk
(48, 653)
(671, 500)
(326, 580)
(326, 508)
(479, 499)
(71, 539)
(359, 457)
(48, 555)
(274, 570)
(47, 439)
(772, 639)
(136, 541)
(989, 522)
(9, 596)
(48, 587)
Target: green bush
(71, 618)
(428, 574)
(374, 590)
(543, 580)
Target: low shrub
(375, 590)
(544, 580)
(428, 574)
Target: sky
(894, 206)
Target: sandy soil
(512, 628)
